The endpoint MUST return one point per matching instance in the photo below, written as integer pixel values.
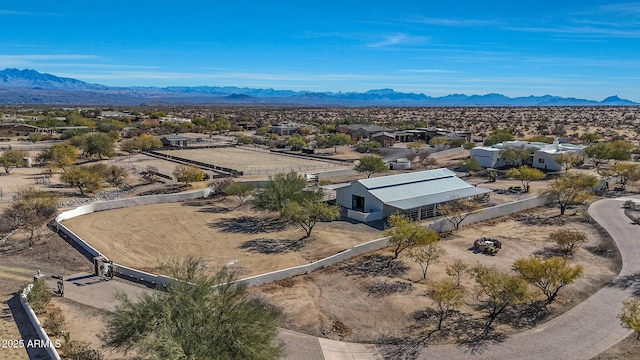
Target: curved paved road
(589, 328)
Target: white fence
(159, 280)
(490, 213)
(42, 334)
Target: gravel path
(586, 330)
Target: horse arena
(254, 162)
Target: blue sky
(586, 49)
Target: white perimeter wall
(159, 280)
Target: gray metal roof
(431, 199)
(408, 178)
(423, 188)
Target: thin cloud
(454, 22)
(429, 71)
(397, 39)
(25, 13)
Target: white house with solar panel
(415, 194)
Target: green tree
(469, 165)
(59, 156)
(416, 146)
(456, 269)
(114, 175)
(403, 234)
(526, 175)
(549, 275)
(281, 189)
(497, 291)
(239, 190)
(570, 189)
(426, 255)
(39, 296)
(598, 153)
(201, 315)
(308, 213)
(498, 136)
(370, 164)
(516, 155)
(83, 178)
(99, 144)
(447, 297)
(626, 172)
(368, 146)
(630, 315)
(142, 142)
(188, 173)
(296, 142)
(567, 239)
(338, 139)
(568, 160)
(439, 142)
(11, 159)
(590, 137)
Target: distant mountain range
(31, 87)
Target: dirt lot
(339, 302)
(150, 235)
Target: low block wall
(490, 213)
(364, 217)
(42, 334)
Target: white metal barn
(415, 194)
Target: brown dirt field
(145, 237)
(314, 303)
(251, 162)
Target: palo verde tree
(567, 239)
(404, 234)
(526, 175)
(625, 172)
(100, 144)
(239, 190)
(33, 209)
(308, 212)
(568, 160)
(630, 315)
(59, 156)
(456, 269)
(425, 255)
(447, 297)
(188, 173)
(141, 142)
(10, 159)
(370, 164)
(280, 190)
(549, 275)
(84, 178)
(416, 146)
(496, 291)
(469, 165)
(456, 210)
(201, 315)
(570, 189)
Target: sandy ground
(78, 318)
(145, 237)
(315, 303)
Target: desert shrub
(39, 296)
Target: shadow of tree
(375, 265)
(627, 282)
(215, 209)
(525, 316)
(249, 225)
(271, 246)
(547, 252)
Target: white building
(543, 154)
(415, 194)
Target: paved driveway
(586, 330)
